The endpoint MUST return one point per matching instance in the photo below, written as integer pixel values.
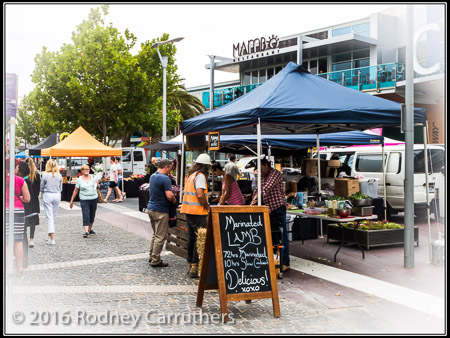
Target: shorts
(112, 184)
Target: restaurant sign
(256, 45)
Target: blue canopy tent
(22, 154)
(297, 102)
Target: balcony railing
(365, 78)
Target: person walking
(21, 196)
(51, 187)
(87, 186)
(195, 206)
(160, 200)
(120, 176)
(33, 181)
(113, 179)
(231, 193)
(272, 194)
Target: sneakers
(31, 244)
(86, 235)
(91, 232)
(160, 265)
(51, 242)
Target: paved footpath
(104, 284)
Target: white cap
(204, 159)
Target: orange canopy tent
(80, 144)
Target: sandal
(119, 201)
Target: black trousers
(194, 222)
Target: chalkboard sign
(214, 140)
(239, 239)
(104, 185)
(196, 142)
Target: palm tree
(188, 105)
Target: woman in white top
(113, 179)
(120, 175)
(51, 187)
(87, 186)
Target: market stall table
(132, 187)
(344, 239)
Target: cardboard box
(309, 167)
(334, 163)
(345, 186)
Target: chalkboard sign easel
(238, 257)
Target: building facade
(368, 55)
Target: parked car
(366, 161)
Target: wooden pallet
(178, 237)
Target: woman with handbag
(87, 186)
(51, 187)
(21, 196)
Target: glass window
(126, 156)
(342, 57)
(137, 156)
(361, 27)
(313, 66)
(255, 76)
(246, 78)
(278, 69)
(435, 161)
(342, 66)
(369, 163)
(262, 75)
(270, 73)
(342, 31)
(361, 63)
(361, 54)
(323, 63)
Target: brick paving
(104, 284)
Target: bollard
(438, 250)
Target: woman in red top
(21, 195)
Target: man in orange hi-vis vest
(195, 206)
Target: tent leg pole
(320, 181)
(182, 167)
(258, 130)
(427, 188)
(384, 182)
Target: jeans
(88, 209)
(193, 223)
(277, 219)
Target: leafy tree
(97, 83)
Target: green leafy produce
(359, 196)
(336, 198)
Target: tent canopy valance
(80, 143)
(295, 101)
(288, 142)
(48, 142)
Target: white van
(366, 161)
(134, 162)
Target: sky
(206, 29)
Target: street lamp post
(164, 60)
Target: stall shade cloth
(295, 101)
(290, 142)
(80, 143)
(48, 142)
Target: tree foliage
(97, 83)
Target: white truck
(366, 161)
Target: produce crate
(370, 238)
(178, 237)
(345, 186)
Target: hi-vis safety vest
(191, 205)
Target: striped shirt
(236, 197)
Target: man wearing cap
(195, 206)
(272, 194)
